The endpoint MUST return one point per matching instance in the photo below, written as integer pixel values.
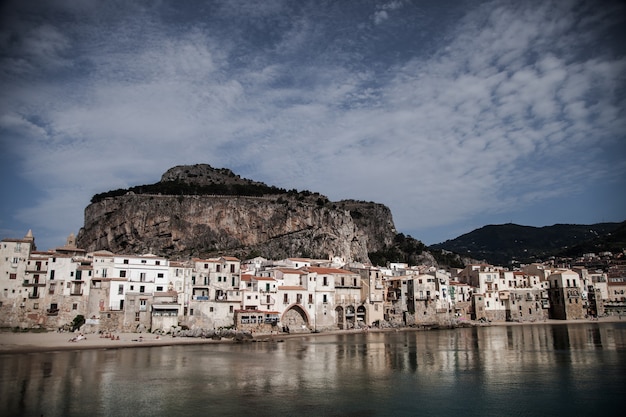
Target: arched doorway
(341, 318)
(361, 318)
(296, 319)
(350, 317)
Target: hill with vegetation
(512, 243)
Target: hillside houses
(116, 292)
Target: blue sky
(455, 114)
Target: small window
(75, 306)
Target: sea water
(520, 370)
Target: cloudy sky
(455, 114)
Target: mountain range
(510, 243)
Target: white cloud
(505, 104)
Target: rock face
(276, 224)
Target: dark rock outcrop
(221, 213)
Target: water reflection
(532, 370)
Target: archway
(341, 319)
(361, 319)
(350, 317)
(295, 319)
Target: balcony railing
(76, 292)
(28, 283)
(269, 301)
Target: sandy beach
(15, 343)
(52, 341)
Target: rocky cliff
(201, 211)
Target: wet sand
(12, 343)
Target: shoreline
(48, 342)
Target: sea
(518, 370)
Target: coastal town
(148, 293)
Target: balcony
(76, 292)
(28, 283)
(200, 298)
(266, 301)
(52, 312)
(33, 296)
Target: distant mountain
(501, 244)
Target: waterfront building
(115, 292)
(565, 295)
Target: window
(126, 261)
(142, 288)
(142, 277)
(232, 268)
(52, 274)
(122, 274)
(75, 306)
(157, 262)
(160, 288)
(35, 306)
(325, 281)
(137, 316)
(231, 309)
(120, 289)
(285, 299)
(160, 275)
(325, 298)
(52, 288)
(310, 298)
(12, 276)
(143, 261)
(299, 298)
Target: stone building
(565, 295)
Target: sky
(454, 114)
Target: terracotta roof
(264, 279)
(321, 270)
(291, 288)
(291, 271)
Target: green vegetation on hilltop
(184, 188)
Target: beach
(31, 342)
